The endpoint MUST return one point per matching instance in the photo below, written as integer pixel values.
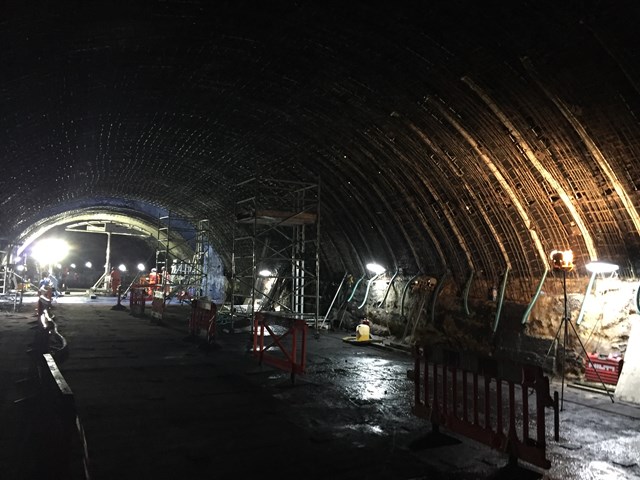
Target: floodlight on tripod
(562, 260)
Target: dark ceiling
(446, 136)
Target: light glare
(375, 268)
(50, 251)
(601, 267)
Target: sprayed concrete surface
(157, 403)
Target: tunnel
(458, 145)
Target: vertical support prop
(503, 287)
(436, 293)
(465, 296)
(586, 296)
(533, 301)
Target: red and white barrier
(137, 298)
(486, 400)
(287, 349)
(157, 305)
(203, 318)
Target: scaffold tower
(6, 273)
(275, 264)
(11, 284)
(187, 277)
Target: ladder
(9, 294)
(5, 273)
(3, 280)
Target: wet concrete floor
(156, 403)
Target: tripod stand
(566, 322)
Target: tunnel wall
(604, 327)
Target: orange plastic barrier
(465, 394)
(291, 342)
(203, 317)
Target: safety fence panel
(137, 299)
(157, 305)
(486, 400)
(203, 318)
(287, 349)
(69, 456)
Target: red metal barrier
(157, 305)
(465, 394)
(291, 342)
(137, 297)
(203, 318)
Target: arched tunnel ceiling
(446, 136)
(118, 221)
